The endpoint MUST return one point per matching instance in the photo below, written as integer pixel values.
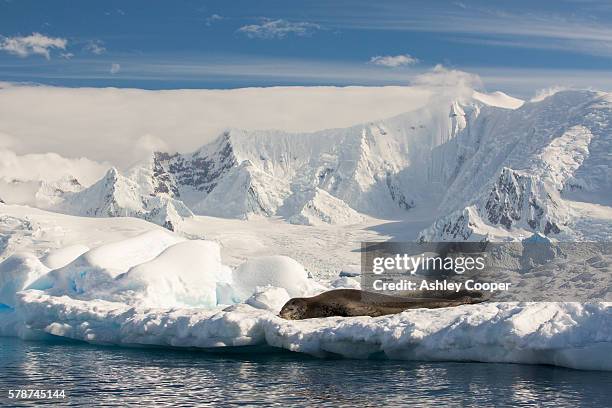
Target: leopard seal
(354, 302)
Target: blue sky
(515, 46)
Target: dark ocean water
(111, 376)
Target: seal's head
(294, 309)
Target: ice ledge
(570, 335)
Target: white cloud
(66, 55)
(34, 43)
(440, 76)
(49, 167)
(278, 29)
(394, 61)
(448, 84)
(544, 93)
(210, 20)
(148, 144)
(95, 47)
(115, 68)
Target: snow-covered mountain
(330, 175)
(515, 172)
(118, 196)
(489, 166)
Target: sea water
(111, 376)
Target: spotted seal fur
(354, 302)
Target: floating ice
(564, 334)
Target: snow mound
(498, 99)
(61, 257)
(104, 263)
(185, 275)
(280, 271)
(154, 269)
(269, 298)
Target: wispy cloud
(538, 30)
(595, 48)
(95, 47)
(115, 68)
(278, 29)
(394, 61)
(34, 44)
(210, 20)
(480, 21)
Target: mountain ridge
(496, 170)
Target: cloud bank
(122, 126)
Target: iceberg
(570, 335)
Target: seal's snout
(294, 309)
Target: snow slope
(498, 99)
(512, 172)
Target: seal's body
(353, 302)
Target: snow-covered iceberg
(565, 334)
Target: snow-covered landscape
(202, 247)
